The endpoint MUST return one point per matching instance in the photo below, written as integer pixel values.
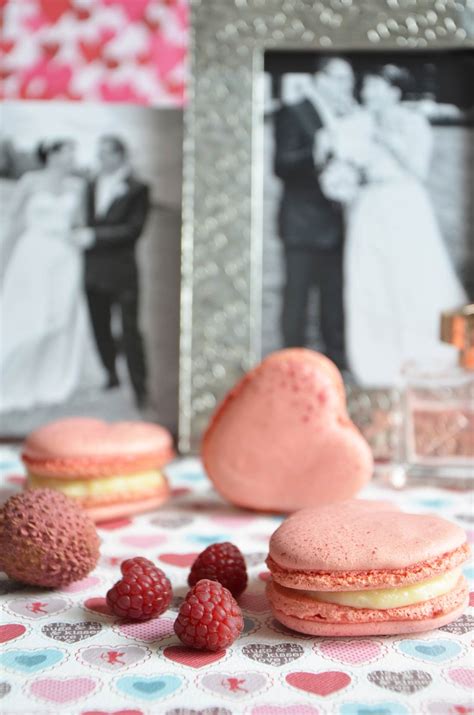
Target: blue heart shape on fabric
(435, 651)
(376, 709)
(148, 687)
(434, 502)
(469, 572)
(206, 540)
(30, 661)
(191, 476)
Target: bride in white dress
(398, 273)
(46, 350)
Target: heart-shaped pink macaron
(281, 431)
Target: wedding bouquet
(339, 180)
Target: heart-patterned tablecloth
(62, 652)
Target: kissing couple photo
(360, 220)
(71, 284)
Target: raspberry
(209, 617)
(221, 562)
(143, 592)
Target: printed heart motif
(431, 651)
(285, 710)
(147, 631)
(82, 585)
(38, 607)
(374, 709)
(190, 657)
(114, 524)
(232, 521)
(98, 604)
(254, 602)
(406, 681)
(465, 517)
(323, 684)
(113, 658)
(181, 560)
(62, 690)
(207, 539)
(71, 632)
(290, 387)
(250, 626)
(143, 541)
(113, 712)
(462, 676)
(471, 598)
(206, 711)
(27, 661)
(464, 624)
(236, 686)
(352, 652)
(172, 521)
(278, 654)
(444, 708)
(10, 631)
(4, 689)
(148, 687)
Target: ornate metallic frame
(223, 174)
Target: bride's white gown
(398, 274)
(46, 349)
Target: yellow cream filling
(383, 598)
(101, 486)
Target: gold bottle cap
(457, 328)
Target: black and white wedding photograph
(367, 218)
(90, 266)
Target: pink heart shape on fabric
(462, 676)
(62, 690)
(82, 585)
(319, 683)
(143, 541)
(285, 710)
(353, 652)
(181, 560)
(147, 631)
(190, 657)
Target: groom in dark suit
(310, 225)
(117, 208)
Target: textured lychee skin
(46, 539)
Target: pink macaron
(360, 568)
(110, 469)
(282, 439)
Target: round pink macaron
(282, 438)
(88, 450)
(363, 546)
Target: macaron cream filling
(384, 598)
(103, 486)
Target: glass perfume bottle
(437, 439)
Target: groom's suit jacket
(110, 263)
(307, 219)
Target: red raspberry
(143, 592)
(209, 617)
(221, 562)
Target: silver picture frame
(221, 292)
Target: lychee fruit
(46, 539)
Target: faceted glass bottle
(437, 437)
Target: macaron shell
(87, 447)
(384, 628)
(282, 438)
(361, 536)
(83, 437)
(108, 512)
